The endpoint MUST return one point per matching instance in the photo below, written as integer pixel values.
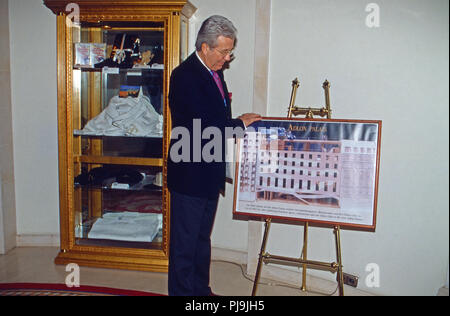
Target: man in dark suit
(201, 112)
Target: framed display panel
(322, 171)
(114, 64)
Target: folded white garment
(126, 117)
(127, 226)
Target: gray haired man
(198, 93)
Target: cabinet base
(111, 261)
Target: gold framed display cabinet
(114, 60)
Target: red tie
(218, 82)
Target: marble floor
(35, 264)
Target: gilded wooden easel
(265, 257)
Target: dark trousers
(191, 222)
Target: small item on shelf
(157, 66)
(144, 62)
(147, 57)
(125, 52)
(98, 53)
(128, 176)
(156, 183)
(95, 176)
(83, 55)
(129, 91)
(121, 186)
(101, 175)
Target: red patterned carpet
(44, 289)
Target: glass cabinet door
(118, 110)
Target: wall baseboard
(37, 240)
(277, 274)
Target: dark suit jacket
(193, 94)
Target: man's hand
(249, 118)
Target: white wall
(33, 84)
(2, 238)
(397, 73)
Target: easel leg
(261, 254)
(340, 275)
(305, 255)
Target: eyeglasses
(226, 52)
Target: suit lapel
(209, 82)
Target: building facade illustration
(328, 173)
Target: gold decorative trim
(139, 8)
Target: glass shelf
(123, 146)
(147, 184)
